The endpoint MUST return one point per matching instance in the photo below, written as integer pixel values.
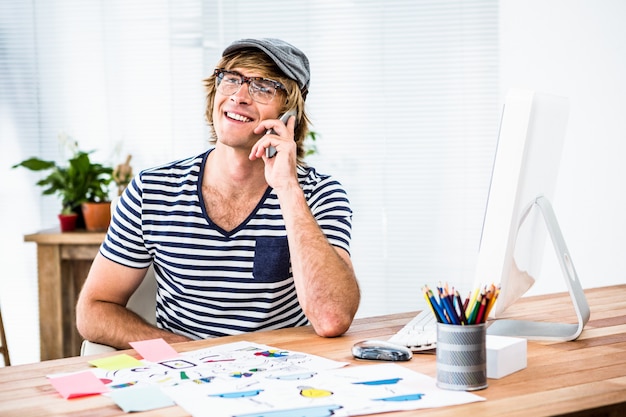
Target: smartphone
(270, 152)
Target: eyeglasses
(262, 90)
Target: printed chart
(247, 379)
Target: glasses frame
(219, 77)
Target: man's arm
(101, 313)
(326, 285)
(324, 277)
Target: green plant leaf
(80, 181)
(35, 164)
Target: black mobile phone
(270, 152)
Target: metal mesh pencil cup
(461, 357)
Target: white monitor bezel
(524, 177)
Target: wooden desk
(63, 261)
(586, 377)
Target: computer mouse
(381, 350)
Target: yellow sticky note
(116, 362)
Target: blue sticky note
(143, 398)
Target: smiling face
(222, 115)
(236, 116)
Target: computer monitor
(519, 216)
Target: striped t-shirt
(212, 282)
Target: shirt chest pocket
(271, 259)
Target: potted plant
(80, 181)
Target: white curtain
(404, 97)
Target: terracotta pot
(97, 216)
(68, 222)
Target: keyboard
(419, 334)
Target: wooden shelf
(56, 237)
(63, 262)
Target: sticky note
(154, 350)
(113, 363)
(137, 399)
(78, 385)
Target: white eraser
(505, 355)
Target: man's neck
(231, 171)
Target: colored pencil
(461, 308)
(448, 306)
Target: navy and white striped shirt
(212, 282)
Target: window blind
(404, 98)
(19, 201)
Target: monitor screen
(526, 165)
(519, 216)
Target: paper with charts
(248, 379)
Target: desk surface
(583, 378)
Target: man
(239, 241)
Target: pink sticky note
(154, 350)
(78, 385)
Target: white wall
(577, 49)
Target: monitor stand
(546, 330)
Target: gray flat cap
(292, 61)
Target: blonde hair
(255, 59)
